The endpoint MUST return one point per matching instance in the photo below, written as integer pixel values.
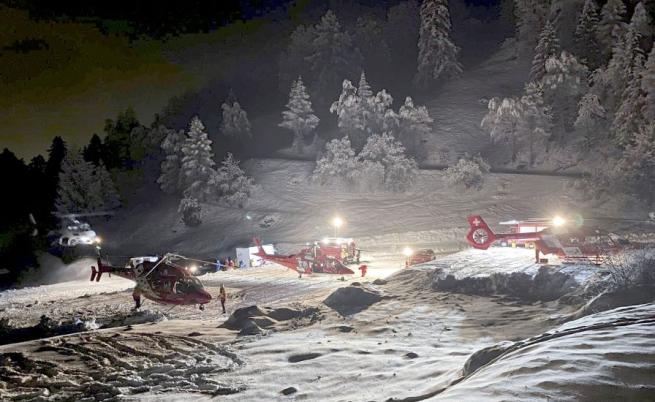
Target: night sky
(66, 66)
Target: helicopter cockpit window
(187, 285)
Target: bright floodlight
(337, 222)
(193, 268)
(408, 252)
(98, 240)
(558, 221)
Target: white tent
(246, 257)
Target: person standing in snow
(136, 295)
(222, 295)
(363, 268)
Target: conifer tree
(548, 46)
(231, 182)
(170, 178)
(437, 53)
(648, 87)
(586, 45)
(110, 197)
(79, 190)
(611, 25)
(591, 119)
(235, 121)
(299, 116)
(336, 164)
(348, 109)
(197, 162)
(628, 117)
(414, 127)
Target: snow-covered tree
(333, 54)
(382, 118)
(233, 185)
(370, 40)
(110, 197)
(642, 24)
(414, 127)
(564, 84)
(401, 33)
(586, 45)
(348, 109)
(504, 122)
(235, 121)
(383, 151)
(536, 120)
(625, 56)
(628, 117)
(169, 179)
(638, 163)
(531, 15)
(547, 46)
(197, 162)
(611, 25)
(336, 164)
(364, 90)
(465, 173)
(437, 55)
(190, 210)
(79, 190)
(299, 116)
(648, 87)
(591, 119)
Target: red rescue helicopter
(307, 261)
(161, 279)
(570, 242)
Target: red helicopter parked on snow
(161, 280)
(570, 241)
(307, 261)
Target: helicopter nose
(204, 297)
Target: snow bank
(604, 356)
(353, 299)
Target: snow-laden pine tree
(337, 164)
(504, 122)
(548, 46)
(197, 162)
(586, 45)
(299, 116)
(231, 182)
(110, 197)
(648, 87)
(364, 90)
(624, 56)
(642, 24)
(611, 25)
(591, 120)
(628, 117)
(401, 33)
(370, 40)
(235, 121)
(536, 121)
(190, 210)
(638, 163)
(385, 152)
(382, 118)
(564, 84)
(169, 180)
(79, 190)
(414, 128)
(333, 54)
(531, 15)
(437, 53)
(348, 109)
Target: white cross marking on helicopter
(476, 222)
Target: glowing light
(407, 251)
(337, 222)
(193, 268)
(98, 240)
(559, 221)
